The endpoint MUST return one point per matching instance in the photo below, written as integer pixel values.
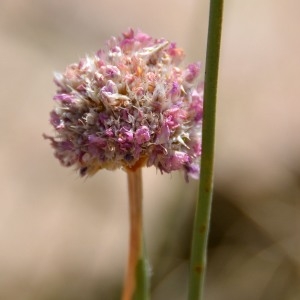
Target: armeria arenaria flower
(127, 106)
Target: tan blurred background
(62, 237)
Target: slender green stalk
(136, 282)
(203, 207)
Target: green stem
(136, 281)
(203, 207)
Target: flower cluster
(127, 106)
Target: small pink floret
(142, 135)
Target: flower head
(127, 106)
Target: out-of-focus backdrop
(62, 237)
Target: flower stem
(136, 281)
(203, 207)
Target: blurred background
(62, 237)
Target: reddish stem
(135, 240)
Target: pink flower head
(129, 105)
